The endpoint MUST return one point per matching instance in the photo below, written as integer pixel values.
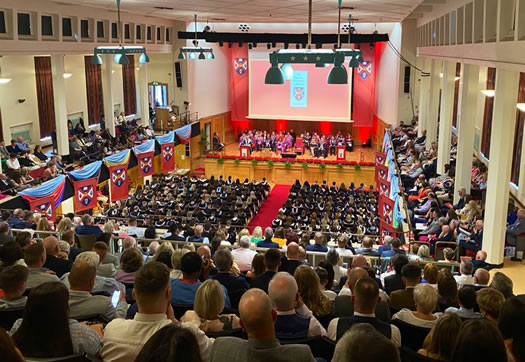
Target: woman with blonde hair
(109, 227)
(471, 211)
(308, 283)
(257, 235)
(64, 225)
(208, 305)
(425, 298)
(241, 233)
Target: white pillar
(521, 180)
(466, 126)
(446, 112)
(424, 88)
(107, 90)
(433, 102)
(59, 95)
(144, 99)
(503, 127)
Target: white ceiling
(264, 11)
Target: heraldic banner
(46, 197)
(145, 153)
(365, 88)
(118, 179)
(84, 183)
(239, 83)
(167, 152)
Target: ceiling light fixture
(196, 49)
(120, 51)
(521, 107)
(319, 57)
(67, 75)
(489, 92)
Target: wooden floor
(359, 154)
(516, 272)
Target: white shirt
(395, 336)
(315, 328)
(134, 230)
(344, 252)
(464, 279)
(124, 338)
(243, 257)
(339, 272)
(407, 316)
(12, 164)
(329, 294)
(382, 294)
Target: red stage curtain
(365, 88)
(130, 92)
(44, 91)
(95, 99)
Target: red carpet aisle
(270, 207)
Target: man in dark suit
(235, 285)
(474, 241)
(411, 275)
(366, 296)
(395, 249)
(272, 261)
(367, 247)
(88, 227)
(4, 233)
(461, 202)
(395, 282)
(267, 242)
(60, 265)
(291, 261)
(6, 184)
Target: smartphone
(115, 299)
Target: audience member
(447, 290)
(320, 243)
(395, 249)
(55, 261)
(272, 261)
(441, 340)
(465, 269)
(479, 340)
(267, 242)
(8, 350)
(35, 258)
(236, 285)
(291, 262)
(411, 276)
(258, 267)
(133, 230)
(481, 278)
(367, 247)
(467, 303)
(13, 280)
(243, 256)
(395, 281)
(4, 233)
(425, 300)
(502, 283)
(46, 330)
(130, 263)
(294, 319)
(258, 319)
(88, 226)
(510, 324)
(104, 270)
(490, 302)
(308, 283)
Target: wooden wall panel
(304, 126)
(286, 176)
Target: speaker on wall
(178, 74)
(407, 80)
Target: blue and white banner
(299, 89)
(145, 147)
(167, 138)
(89, 171)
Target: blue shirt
(391, 253)
(267, 244)
(22, 146)
(88, 230)
(183, 292)
(317, 247)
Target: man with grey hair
(197, 237)
(102, 284)
(235, 285)
(364, 343)
(267, 242)
(502, 283)
(88, 227)
(465, 269)
(462, 192)
(320, 243)
(243, 256)
(481, 278)
(294, 319)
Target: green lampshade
(144, 58)
(181, 55)
(211, 55)
(354, 63)
(338, 75)
(274, 76)
(360, 58)
(96, 59)
(123, 60)
(202, 56)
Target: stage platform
(277, 170)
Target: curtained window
(44, 91)
(487, 116)
(456, 96)
(130, 92)
(518, 135)
(95, 100)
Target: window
(167, 34)
(3, 29)
(456, 96)
(100, 29)
(127, 34)
(67, 28)
(149, 33)
(138, 32)
(84, 29)
(114, 31)
(187, 149)
(47, 25)
(159, 34)
(487, 117)
(24, 24)
(44, 90)
(95, 100)
(518, 135)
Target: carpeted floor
(270, 207)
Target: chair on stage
(299, 146)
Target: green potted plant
(203, 143)
(270, 163)
(287, 164)
(339, 166)
(236, 162)
(304, 164)
(254, 163)
(322, 166)
(220, 160)
(357, 167)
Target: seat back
(407, 355)
(325, 319)
(180, 309)
(299, 145)
(235, 297)
(440, 245)
(129, 294)
(86, 242)
(9, 316)
(237, 332)
(321, 347)
(79, 357)
(411, 336)
(97, 318)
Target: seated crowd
(207, 302)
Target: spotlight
(250, 46)
(254, 45)
(240, 44)
(318, 46)
(229, 45)
(371, 45)
(274, 45)
(221, 43)
(297, 46)
(195, 43)
(206, 29)
(268, 46)
(285, 45)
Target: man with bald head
(481, 278)
(56, 262)
(294, 319)
(82, 303)
(291, 262)
(258, 319)
(480, 261)
(243, 256)
(365, 298)
(344, 305)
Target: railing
(189, 117)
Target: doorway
(158, 94)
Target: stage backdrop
(304, 96)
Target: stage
(278, 170)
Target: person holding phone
(82, 303)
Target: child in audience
(13, 281)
